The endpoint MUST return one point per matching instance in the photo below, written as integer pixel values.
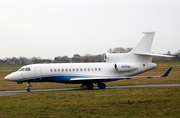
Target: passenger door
(37, 73)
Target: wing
(118, 78)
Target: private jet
(117, 66)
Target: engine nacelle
(123, 67)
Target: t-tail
(140, 53)
(144, 46)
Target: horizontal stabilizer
(152, 54)
(110, 78)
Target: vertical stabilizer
(144, 45)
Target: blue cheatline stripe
(62, 79)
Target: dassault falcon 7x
(117, 66)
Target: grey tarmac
(15, 92)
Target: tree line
(79, 59)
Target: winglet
(167, 73)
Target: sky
(51, 28)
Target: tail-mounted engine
(121, 67)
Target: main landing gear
(101, 86)
(28, 85)
(90, 86)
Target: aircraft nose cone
(8, 77)
(13, 76)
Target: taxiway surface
(15, 92)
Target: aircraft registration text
(126, 66)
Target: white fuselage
(63, 72)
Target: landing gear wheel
(101, 86)
(28, 90)
(90, 86)
(29, 85)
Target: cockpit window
(24, 69)
(27, 69)
(21, 69)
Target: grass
(16, 67)
(169, 63)
(139, 102)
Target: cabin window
(51, 70)
(91, 69)
(84, 69)
(99, 69)
(66, 70)
(69, 70)
(81, 69)
(21, 69)
(27, 69)
(54, 70)
(95, 69)
(88, 69)
(73, 69)
(143, 64)
(62, 70)
(77, 69)
(58, 70)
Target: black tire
(103, 86)
(28, 90)
(90, 86)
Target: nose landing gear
(28, 85)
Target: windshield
(21, 69)
(24, 69)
